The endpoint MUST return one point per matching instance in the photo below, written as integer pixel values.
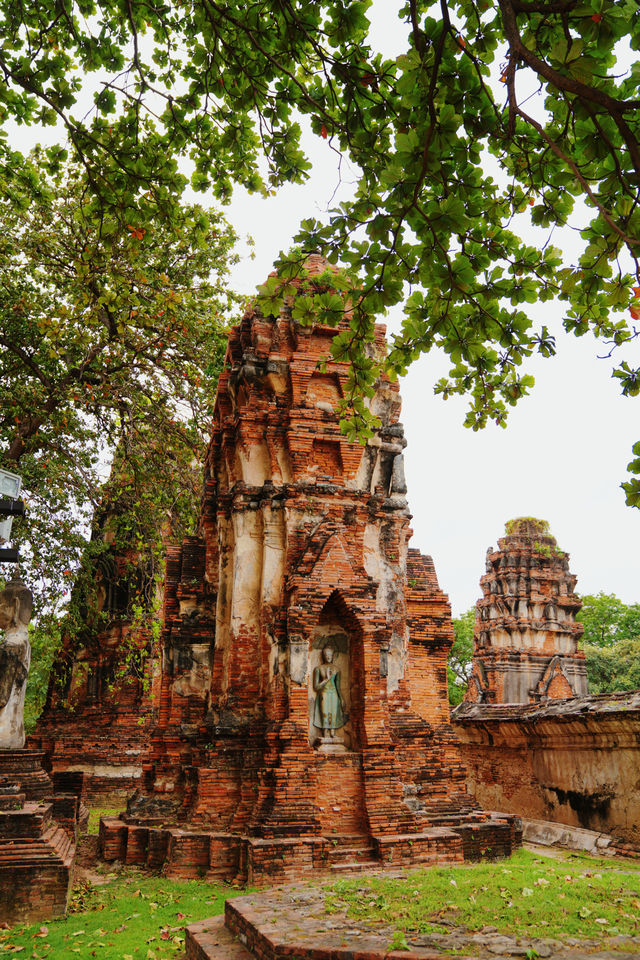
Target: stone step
(10, 852)
(54, 846)
(340, 854)
(65, 846)
(355, 866)
(211, 940)
(351, 840)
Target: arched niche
(338, 629)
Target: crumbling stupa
(526, 635)
(304, 719)
(101, 693)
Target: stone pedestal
(329, 745)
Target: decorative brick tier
(37, 843)
(302, 544)
(25, 768)
(525, 645)
(36, 862)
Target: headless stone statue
(328, 713)
(16, 606)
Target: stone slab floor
(292, 922)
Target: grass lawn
(529, 896)
(136, 917)
(131, 917)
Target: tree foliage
(499, 114)
(608, 620)
(614, 668)
(111, 337)
(611, 642)
(459, 662)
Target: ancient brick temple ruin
(100, 696)
(526, 635)
(38, 823)
(533, 741)
(37, 840)
(303, 720)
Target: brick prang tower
(526, 635)
(302, 545)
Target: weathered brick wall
(574, 761)
(104, 682)
(98, 710)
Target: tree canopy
(611, 642)
(459, 662)
(608, 620)
(500, 114)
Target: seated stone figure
(16, 606)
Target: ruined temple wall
(575, 762)
(101, 730)
(104, 684)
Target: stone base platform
(546, 833)
(36, 864)
(190, 854)
(287, 924)
(292, 923)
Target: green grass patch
(528, 895)
(96, 812)
(133, 917)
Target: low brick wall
(439, 845)
(193, 854)
(570, 761)
(32, 893)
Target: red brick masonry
(572, 761)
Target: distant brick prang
(302, 545)
(533, 741)
(526, 635)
